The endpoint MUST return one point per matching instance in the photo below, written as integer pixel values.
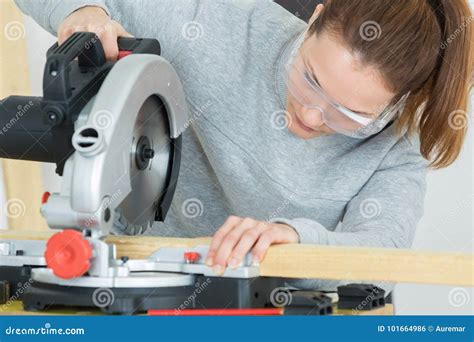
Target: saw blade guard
(127, 150)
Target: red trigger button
(124, 53)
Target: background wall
(446, 226)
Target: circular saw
(113, 129)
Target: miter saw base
(18, 279)
(175, 278)
(207, 292)
(41, 297)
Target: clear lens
(310, 95)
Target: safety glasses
(309, 94)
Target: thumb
(122, 33)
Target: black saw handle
(87, 48)
(40, 129)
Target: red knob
(68, 254)
(191, 257)
(45, 197)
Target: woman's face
(342, 77)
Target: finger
(266, 239)
(219, 235)
(108, 38)
(228, 243)
(64, 34)
(121, 31)
(249, 238)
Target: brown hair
(421, 46)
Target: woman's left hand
(237, 236)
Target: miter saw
(113, 129)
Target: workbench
(16, 308)
(298, 261)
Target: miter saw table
(171, 278)
(113, 129)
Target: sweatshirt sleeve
(384, 213)
(51, 13)
(168, 21)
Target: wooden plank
(23, 192)
(9, 234)
(141, 247)
(135, 247)
(318, 262)
(22, 179)
(369, 264)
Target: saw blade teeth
(122, 219)
(139, 230)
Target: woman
(318, 133)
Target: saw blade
(150, 150)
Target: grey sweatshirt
(238, 157)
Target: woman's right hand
(94, 19)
